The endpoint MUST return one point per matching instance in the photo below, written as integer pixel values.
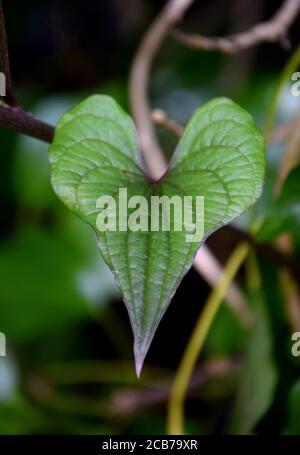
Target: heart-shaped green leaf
(95, 153)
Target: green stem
(285, 76)
(196, 342)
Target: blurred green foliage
(58, 301)
(284, 214)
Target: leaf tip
(139, 361)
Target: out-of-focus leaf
(97, 288)
(43, 286)
(258, 376)
(95, 153)
(293, 425)
(284, 216)
(18, 417)
(226, 335)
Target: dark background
(69, 367)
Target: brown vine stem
(131, 401)
(268, 31)
(139, 82)
(4, 59)
(205, 263)
(159, 117)
(11, 114)
(25, 123)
